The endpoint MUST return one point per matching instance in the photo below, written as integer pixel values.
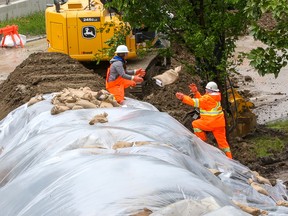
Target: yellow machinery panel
(90, 38)
(56, 33)
(80, 31)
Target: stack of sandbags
(82, 98)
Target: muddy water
(270, 94)
(10, 58)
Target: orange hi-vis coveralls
(211, 118)
(118, 78)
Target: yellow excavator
(82, 29)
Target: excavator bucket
(241, 120)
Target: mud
(43, 72)
(269, 94)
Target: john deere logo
(89, 32)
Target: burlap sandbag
(122, 144)
(168, 77)
(70, 105)
(58, 109)
(35, 99)
(141, 143)
(111, 99)
(100, 118)
(251, 210)
(215, 172)
(144, 212)
(282, 203)
(85, 104)
(76, 92)
(77, 107)
(258, 188)
(102, 95)
(96, 102)
(261, 179)
(88, 96)
(104, 104)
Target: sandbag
(167, 77)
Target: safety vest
(217, 110)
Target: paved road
(10, 58)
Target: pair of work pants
(117, 88)
(200, 126)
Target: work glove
(137, 79)
(193, 88)
(140, 72)
(180, 95)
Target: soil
(44, 72)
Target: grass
(279, 125)
(31, 25)
(266, 146)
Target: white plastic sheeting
(61, 165)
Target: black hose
(236, 110)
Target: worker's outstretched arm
(194, 90)
(188, 100)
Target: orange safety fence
(12, 31)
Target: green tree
(210, 28)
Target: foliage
(273, 57)
(33, 24)
(118, 37)
(209, 30)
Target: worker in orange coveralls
(118, 77)
(211, 114)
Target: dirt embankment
(44, 73)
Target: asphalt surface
(11, 57)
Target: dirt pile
(44, 73)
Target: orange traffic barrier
(12, 31)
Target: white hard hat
(212, 86)
(122, 49)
